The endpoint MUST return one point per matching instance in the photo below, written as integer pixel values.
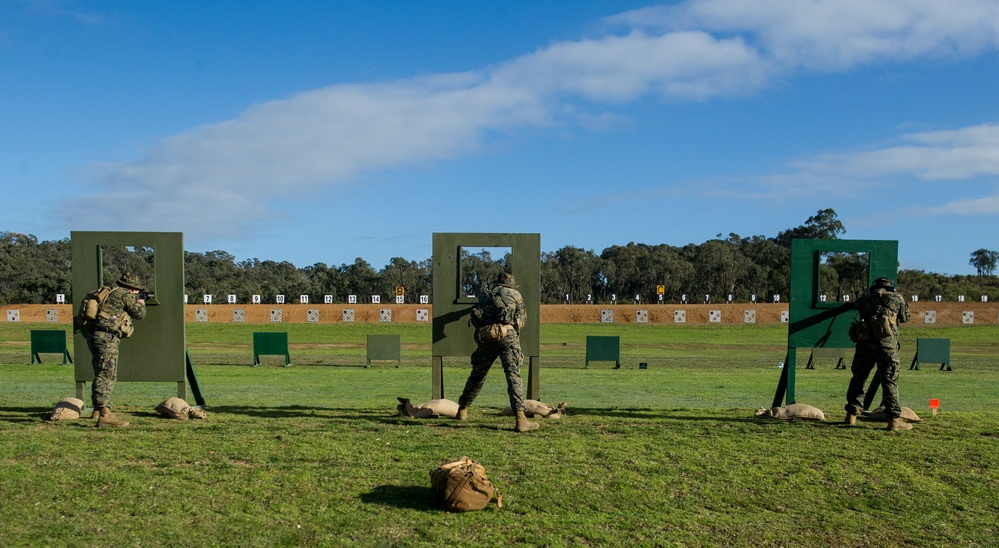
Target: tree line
(732, 268)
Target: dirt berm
(923, 313)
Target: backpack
(485, 311)
(463, 486)
(90, 307)
(875, 328)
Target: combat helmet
(505, 279)
(883, 283)
(130, 281)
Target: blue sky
(322, 131)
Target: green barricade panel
(603, 348)
(157, 350)
(385, 348)
(453, 302)
(932, 351)
(49, 341)
(817, 316)
(270, 344)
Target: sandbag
(176, 408)
(463, 486)
(793, 411)
(879, 415)
(67, 409)
(537, 409)
(429, 410)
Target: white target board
(423, 315)
(607, 316)
(930, 316)
(348, 315)
(749, 316)
(783, 316)
(642, 316)
(13, 315)
(312, 316)
(239, 315)
(714, 316)
(201, 315)
(52, 316)
(968, 317)
(679, 316)
(385, 315)
(277, 316)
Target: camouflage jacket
(869, 304)
(120, 301)
(513, 312)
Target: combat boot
(851, 420)
(524, 425)
(898, 423)
(107, 418)
(462, 414)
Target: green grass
(312, 454)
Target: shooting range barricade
(49, 341)
(271, 344)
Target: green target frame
(814, 322)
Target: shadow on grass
(403, 496)
(685, 415)
(288, 411)
(25, 414)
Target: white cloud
(943, 155)
(978, 206)
(213, 179)
(836, 34)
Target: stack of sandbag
(793, 411)
(879, 415)
(67, 409)
(429, 410)
(538, 409)
(176, 408)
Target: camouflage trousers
(104, 349)
(511, 356)
(866, 358)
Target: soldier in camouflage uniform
(508, 311)
(882, 353)
(104, 337)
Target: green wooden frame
(157, 351)
(452, 334)
(813, 323)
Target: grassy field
(670, 455)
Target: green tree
(984, 261)
(823, 226)
(362, 279)
(413, 277)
